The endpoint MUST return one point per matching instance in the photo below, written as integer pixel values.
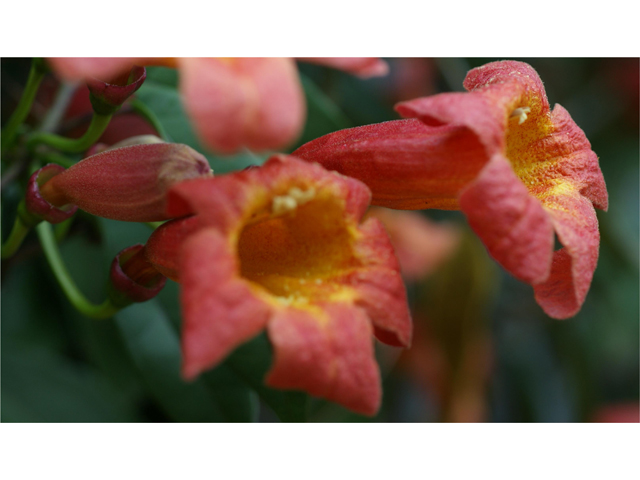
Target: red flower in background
(281, 247)
(518, 170)
(420, 244)
(628, 412)
(234, 102)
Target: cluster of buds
(127, 183)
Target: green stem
(24, 105)
(61, 229)
(145, 112)
(77, 299)
(72, 145)
(17, 235)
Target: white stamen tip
(520, 114)
(282, 204)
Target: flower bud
(128, 183)
(132, 278)
(35, 206)
(107, 97)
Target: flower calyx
(108, 96)
(132, 279)
(35, 207)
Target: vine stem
(36, 74)
(17, 235)
(145, 112)
(72, 145)
(70, 289)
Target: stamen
(282, 204)
(520, 114)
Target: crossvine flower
(518, 170)
(282, 248)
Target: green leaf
(155, 348)
(31, 310)
(251, 362)
(238, 401)
(39, 385)
(360, 101)
(39, 381)
(323, 115)
(163, 76)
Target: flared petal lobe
(512, 224)
(562, 294)
(333, 359)
(282, 247)
(218, 307)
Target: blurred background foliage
(483, 349)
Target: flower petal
(511, 223)
(379, 286)
(406, 164)
(245, 102)
(575, 221)
(219, 310)
(576, 162)
(223, 201)
(330, 356)
(163, 247)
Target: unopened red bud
(128, 183)
(107, 97)
(132, 278)
(35, 207)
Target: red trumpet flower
(518, 170)
(281, 247)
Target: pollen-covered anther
(521, 114)
(283, 204)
